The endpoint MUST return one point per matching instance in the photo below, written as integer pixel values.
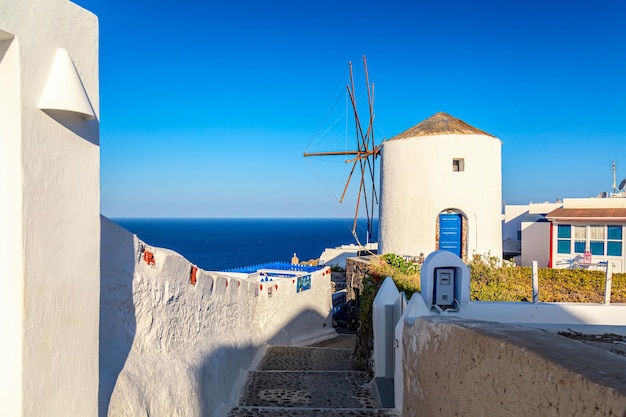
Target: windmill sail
(362, 158)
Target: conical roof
(440, 124)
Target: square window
(565, 231)
(614, 232)
(614, 248)
(597, 248)
(563, 246)
(458, 164)
(579, 247)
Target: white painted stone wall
(50, 240)
(512, 221)
(602, 318)
(418, 183)
(172, 349)
(536, 236)
(536, 243)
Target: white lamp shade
(64, 89)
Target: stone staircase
(322, 380)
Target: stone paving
(322, 379)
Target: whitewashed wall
(172, 349)
(417, 184)
(50, 240)
(536, 243)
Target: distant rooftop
(281, 266)
(440, 124)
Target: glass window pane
(597, 248)
(565, 231)
(579, 247)
(563, 246)
(614, 248)
(596, 232)
(614, 232)
(580, 232)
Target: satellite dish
(603, 194)
(622, 184)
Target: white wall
(417, 184)
(172, 349)
(11, 248)
(536, 243)
(51, 176)
(512, 222)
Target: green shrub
(490, 280)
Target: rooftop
(440, 124)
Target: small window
(458, 164)
(580, 239)
(614, 232)
(614, 240)
(614, 248)
(565, 231)
(564, 234)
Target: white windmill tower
(441, 188)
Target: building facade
(49, 182)
(588, 233)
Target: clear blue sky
(207, 107)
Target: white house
(587, 233)
(50, 205)
(575, 233)
(526, 233)
(441, 188)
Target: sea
(221, 244)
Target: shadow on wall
(117, 310)
(227, 367)
(86, 129)
(171, 345)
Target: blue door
(450, 233)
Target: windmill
(363, 158)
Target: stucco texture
(468, 368)
(170, 348)
(417, 183)
(49, 182)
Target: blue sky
(207, 107)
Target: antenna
(613, 167)
(603, 194)
(622, 184)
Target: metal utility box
(444, 286)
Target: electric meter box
(444, 286)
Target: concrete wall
(49, 258)
(418, 183)
(536, 243)
(512, 222)
(169, 348)
(464, 368)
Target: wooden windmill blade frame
(364, 156)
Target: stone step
(341, 341)
(289, 358)
(321, 389)
(307, 412)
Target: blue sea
(219, 244)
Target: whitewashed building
(526, 233)
(441, 188)
(588, 233)
(50, 205)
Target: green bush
(490, 280)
